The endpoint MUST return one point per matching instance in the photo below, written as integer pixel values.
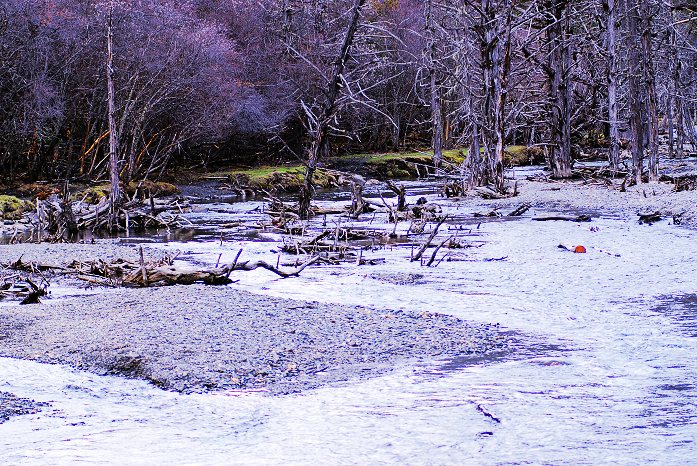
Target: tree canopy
(208, 81)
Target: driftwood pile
(57, 215)
(333, 247)
(23, 288)
(347, 245)
(30, 281)
(25, 281)
(166, 272)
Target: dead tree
(436, 110)
(494, 29)
(401, 193)
(642, 90)
(320, 122)
(611, 7)
(115, 196)
(649, 79)
(358, 204)
(559, 71)
(675, 105)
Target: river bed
(606, 376)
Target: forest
(137, 86)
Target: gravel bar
(11, 405)
(199, 338)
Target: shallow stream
(606, 373)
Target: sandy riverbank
(606, 200)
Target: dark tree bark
(473, 162)
(642, 90)
(649, 77)
(612, 75)
(559, 49)
(677, 121)
(502, 96)
(495, 50)
(636, 99)
(671, 126)
(680, 127)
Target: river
(605, 373)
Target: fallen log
(564, 218)
(488, 193)
(493, 214)
(140, 274)
(249, 265)
(520, 210)
(649, 218)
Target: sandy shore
(606, 200)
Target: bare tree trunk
(495, 50)
(473, 161)
(437, 121)
(113, 141)
(677, 131)
(436, 111)
(490, 61)
(612, 71)
(680, 127)
(637, 108)
(690, 129)
(319, 147)
(501, 101)
(396, 129)
(649, 78)
(560, 87)
(671, 126)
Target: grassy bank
(279, 178)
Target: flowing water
(606, 372)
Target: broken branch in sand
(426, 245)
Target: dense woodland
(205, 82)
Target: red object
(580, 250)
